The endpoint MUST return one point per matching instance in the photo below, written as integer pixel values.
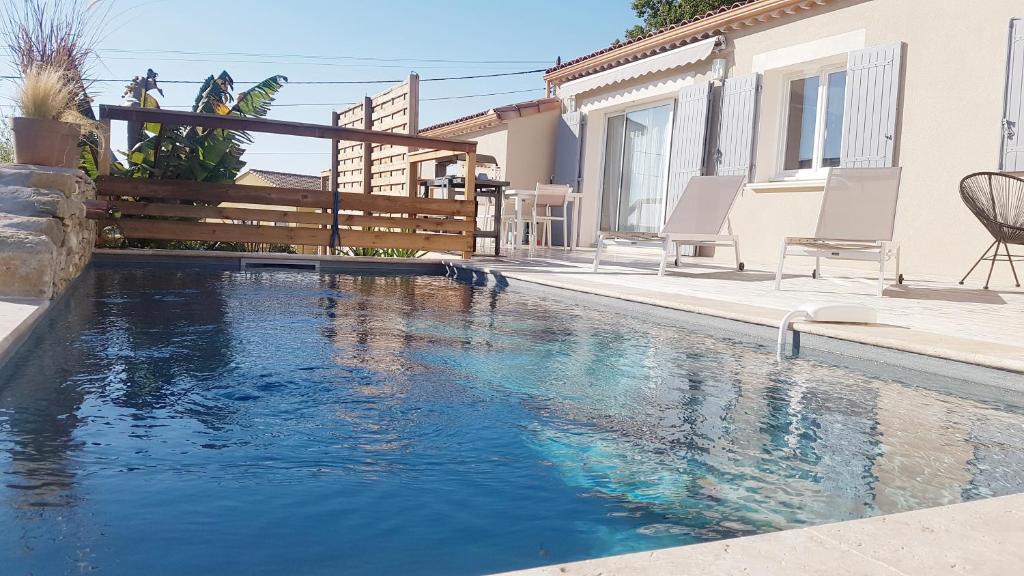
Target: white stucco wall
(951, 106)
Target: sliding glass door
(636, 170)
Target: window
(814, 123)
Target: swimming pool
(166, 420)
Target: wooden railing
(151, 208)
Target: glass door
(636, 170)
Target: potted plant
(50, 126)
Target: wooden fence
(377, 168)
(156, 209)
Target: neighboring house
(520, 137)
(279, 180)
(781, 90)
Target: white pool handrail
(841, 313)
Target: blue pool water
(167, 421)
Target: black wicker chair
(998, 202)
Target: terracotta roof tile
(497, 109)
(288, 180)
(732, 6)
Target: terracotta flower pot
(45, 142)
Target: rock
(45, 239)
(49, 227)
(27, 264)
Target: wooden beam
(283, 216)
(175, 230)
(168, 230)
(219, 213)
(103, 163)
(405, 205)
(367, 147)
(180, 118)
(427, 242)
(471, 199)
(334, 156)
(267, 195)
(209, 192)
(427, 155)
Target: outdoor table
(521, 195)
(450, 186)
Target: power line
(318, 57)
(478, 95)
(459, 97)
(323, 82)
(406, 66)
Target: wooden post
(333, 183)
(471, 198)
(367, 147)
(103, 162)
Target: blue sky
(142, 33)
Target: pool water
(170, 421)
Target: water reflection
(388, 411)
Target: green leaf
(256, 101)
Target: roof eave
(735, 19)
(494, 117)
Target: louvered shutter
(737, 126)
(688, 139)
(568, 141)
(870, 107)
(567, 150)
(1012, 157)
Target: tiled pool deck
(926, 316)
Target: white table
(521, 195)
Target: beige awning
(675, 58)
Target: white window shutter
(737, 126)
(567, 150)
(1012, 157)
(870, 107)
(689, 136)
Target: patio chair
(696, 220)
(997, 200)
(858, 214)
(549, 196)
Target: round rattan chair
(997, 200)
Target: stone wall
(45, 239)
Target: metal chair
(549, 196)
(997, 200)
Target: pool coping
(986, 354)
(981, 538)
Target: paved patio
(925, 315)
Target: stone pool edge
(914, 341)
(979, 538)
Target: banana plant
(193, 153)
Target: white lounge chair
(858, 213)
(696, 220)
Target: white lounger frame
(858, 204)
(881, 252)
(671, 241)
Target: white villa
(781, 91)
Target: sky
(333, 40)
